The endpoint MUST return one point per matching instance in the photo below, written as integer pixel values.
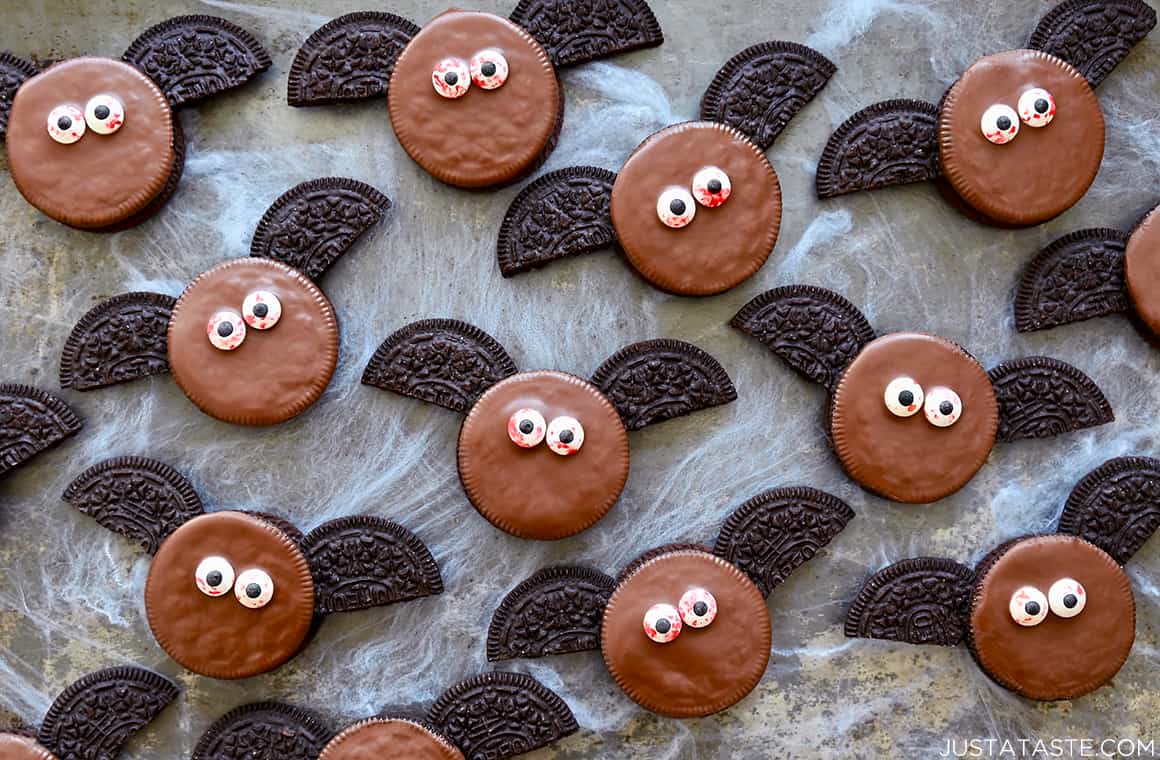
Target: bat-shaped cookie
(913, 416)
(232, 594)
(252, 341)
(684, 630)
(1017, 139)
(473, 98)
(492, 716)
(1048, 616)
(544, 454)
(96, 143)
(696, 208)
(31, 420)
(93, 718)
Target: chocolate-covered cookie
(1049, 617)
(913, 416)
(1018, 138)
(94, 142)
(233, 594)
(544, 455)
(473, 97)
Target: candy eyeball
(1028, 606)
(565, 436)
(451, 78)
(66, 124)
(104, 114)
(254, 589)
(526, 428)
(1067, 597)
(214, 576)
(662, 624)
(676, 208)
(261, 310)
(1000, 124)
(1036, 107)
(698, 608)
(489, 69)
(943, 407)
(226, 330)
(903, 397)
(711, 187)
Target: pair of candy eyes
(452, 77)
(711, 188)
(103, 114)
(1000, 122)
(253, 588)
(697, 608)
(261, 310)
(527, 428)
(1029, 607)
(942, 406)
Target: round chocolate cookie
(233, 556)
(1142, 270)
(1055, 652)
(275, 373)
(97, 180)
(17, 747)
(389, 737)
(672, 173)
(459, 131)
(702, 670)
(534, 492)
(1031, 173)
(901, 454)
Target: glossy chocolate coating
(17, 747)
(378, 738)
(1142, 270)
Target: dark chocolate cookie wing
(574, 32)
(30, 422)
(925, 600)
(657, 380)
(13, 72)
(1042, 398)
(194, 57)
(894, 142)
(93, 718)
(118, 340)
(555, 611)
(775, 532)
(1116, 506)
(312, 224)
(264, 730)
(497, 715)
(440, 361)
(141, 499)
(563, 213)
(813, 330)
(1079, 276)
(348, 59)
(761, 88)
(362, 562)
(1093, 35)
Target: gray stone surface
(70, 594)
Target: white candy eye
(943, 407)
(1036, 107)
(254, 589)
(565, 435)
(215, 576)
(1000, 124)
(662, 624)
(711, 187)
(66, 124)
(489, 69)
(104, 114)
(698, 608)
(526, 428)
(226, 330)
(903, 397)
(676, 208)
(261, 309)
(1067, 597)
(451, 78)
(1028, 606)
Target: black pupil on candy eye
(64, 122)
(663, 626)
(906, 398)
(451, 77)
(487, 69)
(700, 608)
(101, 112)
(1070, 601)
(214, 578)
(253, 590)
(1041, 106)
(261, 310)
(1032, 608)
(225, 329)
(1003, 123)
(677, 206)
(714, 186)
(946, 407)
(526, 427)
(566, 436)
